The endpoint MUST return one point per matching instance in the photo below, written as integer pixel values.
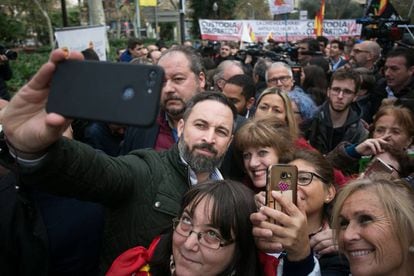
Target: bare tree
(45, 14)
(96, 12)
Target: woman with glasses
(315, 192)
(212, 235)
(274, 102)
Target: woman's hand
(289, 233)
(323, 243)
(372, 146)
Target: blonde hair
(287, 103)
(397, 200)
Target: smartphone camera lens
(285, 175)
(152, 75)
(128, 94)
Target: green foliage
(334, 9)
(11, 30)
(72, 15)
(24, 67)
(29, 61)
(203, 9)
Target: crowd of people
(187, 195)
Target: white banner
(289, 30)
(81, 38)
(280, 6)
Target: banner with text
(80, 38)
(280, 6)
(289, 30)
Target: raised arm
(27, 127)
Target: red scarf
(134, 261)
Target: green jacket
(141, 191)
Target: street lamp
(253, 13)
(215, 9)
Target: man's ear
(355, 97)
(180, 127)
(202, 80)
(411, 69)
(231, 140)
(250, 103)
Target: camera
(10, 54)
(386, 31)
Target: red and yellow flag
(318, 24)
(382, 6)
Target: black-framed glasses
(337, 90)
(282, 79)
(210, 238)
(305, 178)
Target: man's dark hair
(213, 96)
(133, 42)
(313, 45)
(407, 53)
(323, 39)
(246, 83)
(341, 45)
(260, 69)
(90, 54)
(196, 65)
(347, 74)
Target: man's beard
(173, 111)
(197, 162)
(341, 109)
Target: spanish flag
(382, 6)
(148, 3)
(318, 24)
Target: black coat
(23, 237)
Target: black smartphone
(281, 178)
(121, 93)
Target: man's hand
(26, 124)
(289, 234)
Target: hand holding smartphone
(121, 93)
(282, 179)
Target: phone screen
(378, 168)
